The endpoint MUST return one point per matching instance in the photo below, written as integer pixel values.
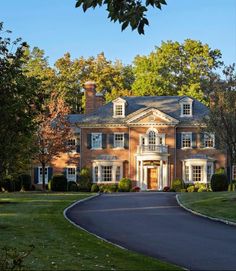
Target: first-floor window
(117, 174)
(96, 141)
(186, 173)
(186, 140)
(234, 172)
(197, 173)
(41, 174)
(209, 172)
(71, 174)
(96, 174)
(107, 173)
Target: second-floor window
(209, 140)
(186, 140)
(119, 140)
(96, 140)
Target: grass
(37, 218)
(215, 204)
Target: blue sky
(57, 27)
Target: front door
(152, 178)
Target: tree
(176, 69)
(222, 118)
(18, 96)
(53, 133)
(126, 12)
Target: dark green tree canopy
(126, 12)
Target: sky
(57, 27)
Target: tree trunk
(43, 175)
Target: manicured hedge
(58, 183)
(219, 182)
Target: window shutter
(50, 173)
(104, 141)
(126, 141)
(78, 148)
(201, 140)
(64, 171)
(194, 140)
(178, 140)
(89, 141)
(111, 141)
(217, 142)
(77, 174)
(36, 175)
(228, 173)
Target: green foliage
(94, 188)
(176, 69)
(219, 182)
(220, 170)
(13, 259)
(125, 185)
(25, 180)
(58, 183)
(72, 186)
(109, 188)
(7, 184)
(177, 185)
(191, 188)
(183, 190)
(127, 13)
(84, 183)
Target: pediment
(152, 115)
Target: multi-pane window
(186, 110)
(96, 174)
(118, 110)
(152, 138)
(119, 140)
(71, 142)
(186, 173)
(71, 174)
(234, 172)
(209, 172)
(208, 140)
(106, 173)
(96, 140)
(186, 140)
(118, 174)
(41, 174)
(197, 173)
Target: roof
(167, 104)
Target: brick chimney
(93, 100)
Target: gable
(151, 115)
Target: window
(186, 173)
(96, 141)
(186, 109)
(119, 140)
(209, 141)
(209, 172)
(186, 104)
(118, 174)
(118, 110)
(96, 174)
(71, 142)
(234, 172)
(152, 138)
(197, 173)
(186, 140)
(106, 173)
(41, 174)
(71, 174)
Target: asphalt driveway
(153, 224)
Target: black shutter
(36, 175)
(104, 141)
(178, 140)
(50, 173)
(111, 141)
(89, 141)
(126, 141)
(201, 140)
(194, 140)
(217, 142)
(78, 148)
(228, 173)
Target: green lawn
(37, 218)
(215, 204)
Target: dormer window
(186, 105)
(119, 108)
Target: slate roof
(167, 104)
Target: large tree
(126, 12)
(222, 118)
(176, 69)
(18, 106)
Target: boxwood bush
(94, 188)
(25, 180)
(219, 182)
(125, 185)
(58, 183)
(177, 185)
(72, 186)
(84, 183)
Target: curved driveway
(153, 224)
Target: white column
(204, 174)
(141, 174)
(190, 173)
(161, 175)
(114, 173)
(145, 178)
(99, 173)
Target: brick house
(151, 140)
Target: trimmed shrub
(135, 189)
(84, 183)
(166, 189)
(125, 185)
(25, 180)
(58, 183)
(191, 188)
(202, 189)
(72, 186)
(219, 182)
(110, 188)
(7, 184)
(183, 190)
(177, 185)
(220, 170)
(94, 188)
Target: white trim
(191, 140)
(74, 180)
(114, 135)
(204, 142)
(96, 148)
(76, 143)
(186, 101)
(117, 102)
(46, 176)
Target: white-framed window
(107, 173)
(119, 140)
(71, 142)
(209, 171)
(119, 110)
(186, 168)
(71, 174)
(95, 174)
(186, 140)
(234, 172)
(209, 140)
(96, 140)
(197, 173)
(40, 175)
(187, 109)
(118, 175)
(152, 138)
(186, 104)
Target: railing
(153, 148)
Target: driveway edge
(81, 228)
(231, 223)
